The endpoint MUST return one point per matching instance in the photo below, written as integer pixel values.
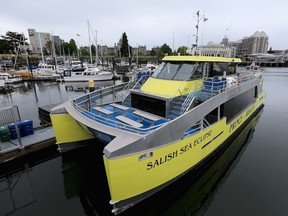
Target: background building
(42, 40)
(256, 43)
(214, 49)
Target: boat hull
(135, 177)
(87, 78)
(69, 131)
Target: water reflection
(16, 185)
(84, 176)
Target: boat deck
(103, 106)
(124, 117)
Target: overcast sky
(149, 22)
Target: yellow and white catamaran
(160, 127)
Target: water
(249, 178)
(28, 96)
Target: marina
(135, 112)
(71, 186)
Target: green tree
(69, 48)
(48, 48)
(12, 40)
(4, 46)
(93, 49)
(65, 48)
(182, 50)
(73, 47)
(165, 49)
(153, 52)
(125, 49)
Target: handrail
(143, 78)
(113, 123)
(170, 99)
(132, 85)
(84, 103)
(189, 99)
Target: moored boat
(89, 72)
(158, 129)
(10, 78)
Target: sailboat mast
(90, 51)
(41, 48)
(53, 51)
(96, 47)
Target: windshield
(178, 70)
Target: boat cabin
(179, 77)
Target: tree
(69, 48)
(4, 46)
(165, 49)
(73, 46)
(93, 49)
(126, 50)
(182, 50)
(12, 40)
(48, 48)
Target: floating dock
(44, 114)
(42, 138)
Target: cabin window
(148, 104)
(185, 71)
(219, 68)
(178, 70)
(256, 92)
(233, 107)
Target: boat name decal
(250, 110)
(162, 160)
(176, 153)
(202, 138)
(235, 124)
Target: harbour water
(249, 177)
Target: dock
(19, 138)
(44, 114)
(42, 138)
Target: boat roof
(201, 59)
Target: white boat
(253, 67)
(45, 72)
(10, 79)
(158, 129)
(91, 72)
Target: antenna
(198, 19)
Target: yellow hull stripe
(129, 176)
(67, 130)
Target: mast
(198, 19)
(90, 50)
(41, 49)
(53, 51)
(96, 48)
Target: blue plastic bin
(27, 127)
(13, 132)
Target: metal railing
(113, 123)
(189, 99)
(199, 126)
(9, 115)
(113, 94)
